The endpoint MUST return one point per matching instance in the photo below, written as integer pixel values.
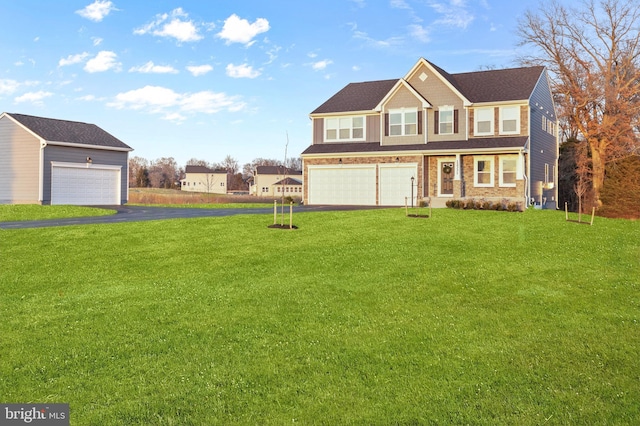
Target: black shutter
(386, 124)
(436, 122)
(455, 121)
(420, 122)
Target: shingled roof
(276, 170)
(72, 132)
(357, 97)
(203, 169)
(480, 86)
(467, 145)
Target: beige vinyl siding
(403, 98)
(19, 164)
(213, 183)
(372, 128)
(434, 89)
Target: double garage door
(85, 185)
(359, 184)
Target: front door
(446, 178)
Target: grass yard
(364, 317)
(19, 212)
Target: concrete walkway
(145, 213)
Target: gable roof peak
(54, 130)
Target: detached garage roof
(69, 132)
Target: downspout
(43, 145)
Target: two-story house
(484, 135)
(204, 179)
(269, 181)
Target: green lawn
(364, 317)
(19, 212)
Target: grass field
(363, 317)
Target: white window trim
(476, 132)
(446, 108)
(475, 171)
(338, 139)
(517, 131)
(501, 171)
(403, 112)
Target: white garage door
(395, 184)
(83, 185)
(343, 185)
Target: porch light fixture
(397, 159)
(340, 161)
(89, 160)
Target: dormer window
(341, 129)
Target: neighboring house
(483, 135)
(270, 181)
(49, 161)
(204, 179)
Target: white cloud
(198, 70)
(238, 30)
(33, 97)
(454, 13)
(420, 33)
(321, 65)
(173, 25)
(151, 68)
(104, 61)
(158, 99)
(97, 41)
(87, 98)
(97, 10)
(242, 71)
(73, 59)
(175, 117)
(7, 87)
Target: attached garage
(342, 185)
(395, 183)
(85, 184)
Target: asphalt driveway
(144, 213)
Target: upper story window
(445, 119)
(403, 122)
(483, 121)
(344, 128)
(510, 120)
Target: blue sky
(207, 79)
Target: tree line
(593, 54)
(166, 173)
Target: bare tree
(594, 55)
(138, 172)
(164, 173)
(249, 168)
(197, 162)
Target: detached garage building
(49, 161)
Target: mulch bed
(278, 226)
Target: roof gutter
(80, 145)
